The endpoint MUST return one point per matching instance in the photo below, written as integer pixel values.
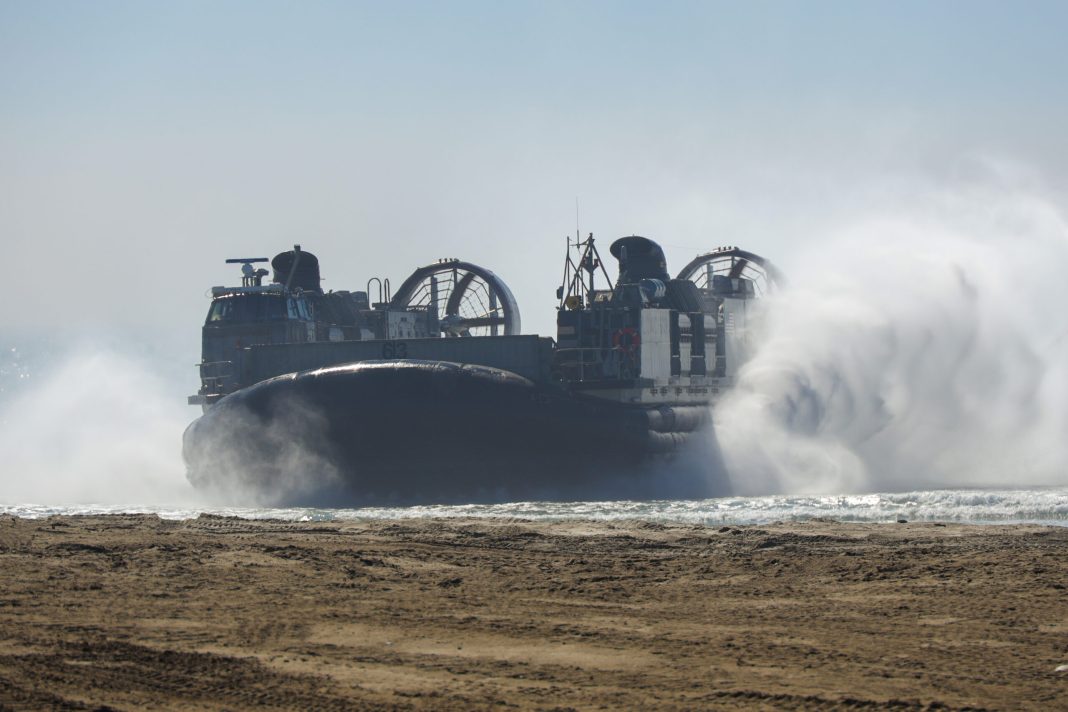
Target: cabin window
(247, 308)
(221, 310)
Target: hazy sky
(143, 143)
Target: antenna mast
(578, 233)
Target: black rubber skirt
(425, 432)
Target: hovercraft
(433, 395)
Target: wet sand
(133, 612)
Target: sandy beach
(134, 612)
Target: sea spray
(94, 426)
(921, 349)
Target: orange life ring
(632, 342)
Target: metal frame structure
(469, 300)
(733, 262)
(589, 261)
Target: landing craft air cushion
(433, 395)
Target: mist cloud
(918, 348)
(98, 427)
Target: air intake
(639, 258)
(297, 268)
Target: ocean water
(922, 365)
(1046, 505)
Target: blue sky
(146, 142)
(176, 61)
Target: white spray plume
(245, 458)
(923, 349)
(99, 428)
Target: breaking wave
(1039, 506)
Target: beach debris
(902, 521)
(1061, 668)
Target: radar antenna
(249, 277)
